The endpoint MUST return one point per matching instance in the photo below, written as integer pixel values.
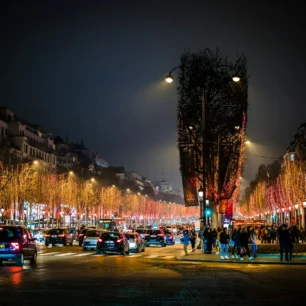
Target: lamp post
(25, 216)
(304, 206)
(296, 213)
(290, 216)
(169, 79)
(2, 214)
(202, 208)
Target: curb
(248, 262)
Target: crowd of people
(234, 242)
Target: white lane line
(132, 256)
(65, 254)
(39, 252)
(85, 254)
(51, 253)
(168, 257)
(151, 256)
(99, 255)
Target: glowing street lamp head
(92, 179)
(247, 142)
(35, 162)
(70, 172)
(169, 78)
(236, 78)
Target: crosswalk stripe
(51, 253)
(65, 254)
(85, 254)
(168, 257)
(133, 256)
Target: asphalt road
(69, 276)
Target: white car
(91, 238)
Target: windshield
(93, 234)
(9, 233)
(141, 231)
(154, 232)
(130, 236)
(56, 231)
(110, 235)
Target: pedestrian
(185, 239)
(236, 238)
(284, 240)
(218, 244)
(272, 234)
(244, 240)
(208, 237)
(224, 241)
(201, 237)
(253, 238)
(291, 243)
(193, 239)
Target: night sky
(95, 69)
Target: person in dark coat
(237, 235)
(244, 241)
(208, 236)
(284, 241)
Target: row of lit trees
(31, 191)
(280, 194)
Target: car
(113, 242)
(142, 232)
(17, 244)
(155, 237)
(72, 231)
(170, 238)
(136, 242)
(81, 236)
(39, 234)
(91, 238)
(58, 236)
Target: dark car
(17, 244)
(142, 232)
(156, 237)
(113, 242)
(170, 238)
(136, 242)
(81, 236)
(58, 236)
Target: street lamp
(202, 207)
(290, 215)
(296, 213)
(2, 216)
(304, 206)
(235, 78)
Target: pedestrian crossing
(131, 255)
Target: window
(292, 156)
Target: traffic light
(208, 212)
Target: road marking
(65, 254)
(133, 256)
(167, 257)
(51, 253)
(85, 254)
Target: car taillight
(60, 235)
(15, 245)
(100, 240)
(119, 240)
(84, 237)
(47, 235)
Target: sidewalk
(262, 259)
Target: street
(70, 276)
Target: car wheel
(71, 243)
(80, 243)
(138, 249)
(122, 252)
(20, 260)
(163, 245)
(64, 242)
(46, 244)
(143, 249)
(128, 251)
(33, 260)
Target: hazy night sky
(95, 69)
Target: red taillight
(100, 240)
(119, 240)
(15, 245)
(47, 235)
(60, 235)
(84, 237)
